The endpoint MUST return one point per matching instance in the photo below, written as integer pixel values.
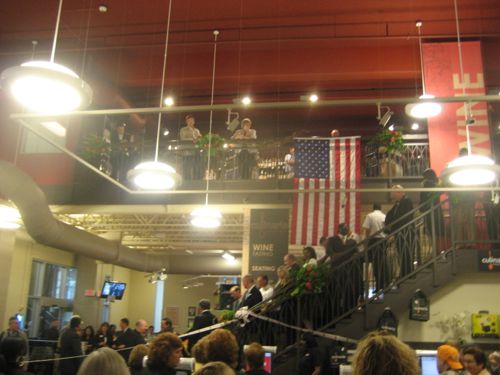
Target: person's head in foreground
(474, 359)
(220, 346)
(12, 351)
(215, 368)
(381, 353)
(103, 361)
(448, 358)
(254, 356)
(165, 351)
(137, 356)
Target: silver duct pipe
(45, 229)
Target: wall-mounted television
(113, 289)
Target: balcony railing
(250, 160)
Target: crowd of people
(81, 351)
(382, 353)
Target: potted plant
(390, 145)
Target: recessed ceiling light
(246, 100)
(103, 8)
(391, 128)
(169, 101)
(415, 126)
(313, 98)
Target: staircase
(435, 275)
(335, 309)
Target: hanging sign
(443, 77)
(419, 307)
(269, 230)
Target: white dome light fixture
(47, 87)
(10, 218)
(425, 108)
(155, 175)
(471, 170)
(208, 217)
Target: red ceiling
(273, 50)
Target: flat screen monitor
(268, 359)
(113, 289)
(428, 365)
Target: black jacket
(71, 345)
(129, 338)
(400, 208)
(205, 319)
(251, 297)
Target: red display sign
(447, 132)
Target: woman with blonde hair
(381, 353)
(136, 358)
(104, 361)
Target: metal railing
(252, 159)
(423, 236)
(411, 162)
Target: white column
(160, 286)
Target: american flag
(325, 163)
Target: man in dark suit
(397, 218)
(235, 293)
(204, 319)
(291, 262)
(129, 338)
(252, 294)
(71, 346)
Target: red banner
(447, 134)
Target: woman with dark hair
(12, 351)
(91, 339)
(111, 335)
(102, 334)
(309, 256)
(165, 353)
(474, 360)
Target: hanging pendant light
(155, 175)
(47, 87)
(208, 217)
(469, 170)
(426, 108)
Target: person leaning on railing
(248, 155)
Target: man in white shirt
(265, 289)
(374, 235)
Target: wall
(25, 250)
(88, 308)
(469, 293)
(177, 296)
(142, 296)
(119, 309)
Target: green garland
(217, 143)
(389, 141)
(310, 279)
